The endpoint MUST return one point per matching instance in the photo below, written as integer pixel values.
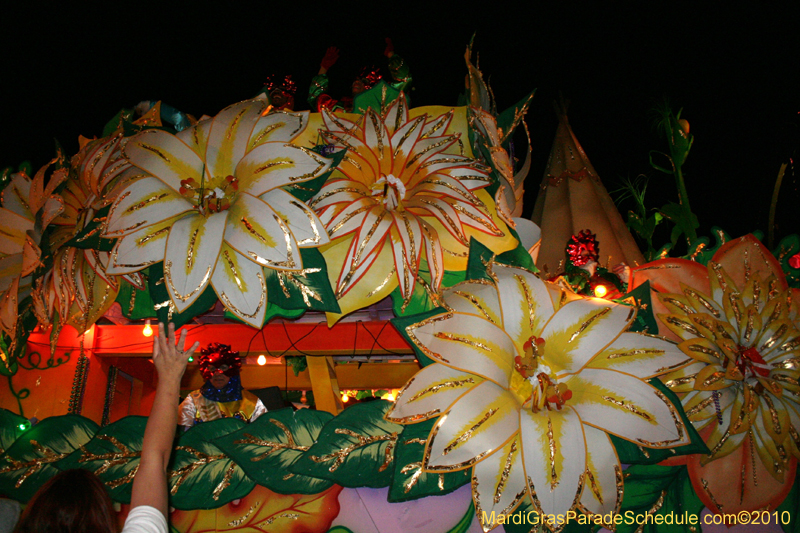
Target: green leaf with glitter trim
(309, 289)
(645, 321)
(401, 323)
(136, 304)
(664, 491)
(201, 475)
(421, 301)
(89, 237)
(306, 190)
(10, 428)
(113, 454)
(354, 449)
(480, 256)
(30, 461)
(630, 453)
(267, 448)
(409, 482)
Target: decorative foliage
(29, 462)
(267, 448)
(355, 449)
(200, 464)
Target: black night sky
(732, 67)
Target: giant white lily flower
(527, 392)
(403, 184)
(213, 209)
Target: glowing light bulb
(390, 397)
(147, 331)
(600, 291)
(191, 358)
(262, 360)
(345, 398)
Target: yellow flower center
(211, 196)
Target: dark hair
(73, 501)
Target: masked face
(219, 379)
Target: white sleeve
(186, 412)
(258, 410)
(145, 519)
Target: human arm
(150, 482)
(328, 60)
(397, 67)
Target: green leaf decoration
(163, 305)
(509, 119)
(306, 190)
(135, 304)
(662, 491)
(89, 237)
(421, 300)
(788, 515)
(28, 463)
(354, 449)
(308, 289)
(378, 98)
(463, 525)
(789, 246)
(645, 321)
(630, 453)
(266, 449)
(481, 257)
(409, 482)
(113, 454)
(10, 428)
(298, 363)
(401, 323)
(202, 476)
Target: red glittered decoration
(216, 355)
(794, 261)
(287, 85)
(582, 248)
(370, 76)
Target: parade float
(373, 266)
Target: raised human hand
(389, 51)
(331, 55)
(168, 356)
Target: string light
(600, 291)
(262, 360)
(147, 331)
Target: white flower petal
(525, 303)
(640, 355)
(581, 329)
(301, 220)
(258, 233)
(165, 157)
(498, 482)
(241, 286)
(603, 473)
(272, 165)
(478, 425)
(627, 407)
(477, 298)
(143, 247)
(468, 343)
(430, 392)
(554, 454)
(145, 202)
(193, 246)
(229, 136)
(278, 126)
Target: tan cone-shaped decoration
(572, 198)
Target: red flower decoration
(582, 248)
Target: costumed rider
(222, 395)
(318, 97)
(280, 92)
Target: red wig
(73, 501)
(216, 355)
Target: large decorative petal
(278, 126)
(603, 473)
(640, 355)
(165, 157)
(241, 286)
(498, 482)
(476, 426)
(581, 329)
(272, 165)
(141, 248)
(468, 343)
(627, 407)
(554, 454)
(307, 229)
(430, 392)
(229, 137)
(145, 202)
(192, 249)
(525, 302)
(257, 232)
